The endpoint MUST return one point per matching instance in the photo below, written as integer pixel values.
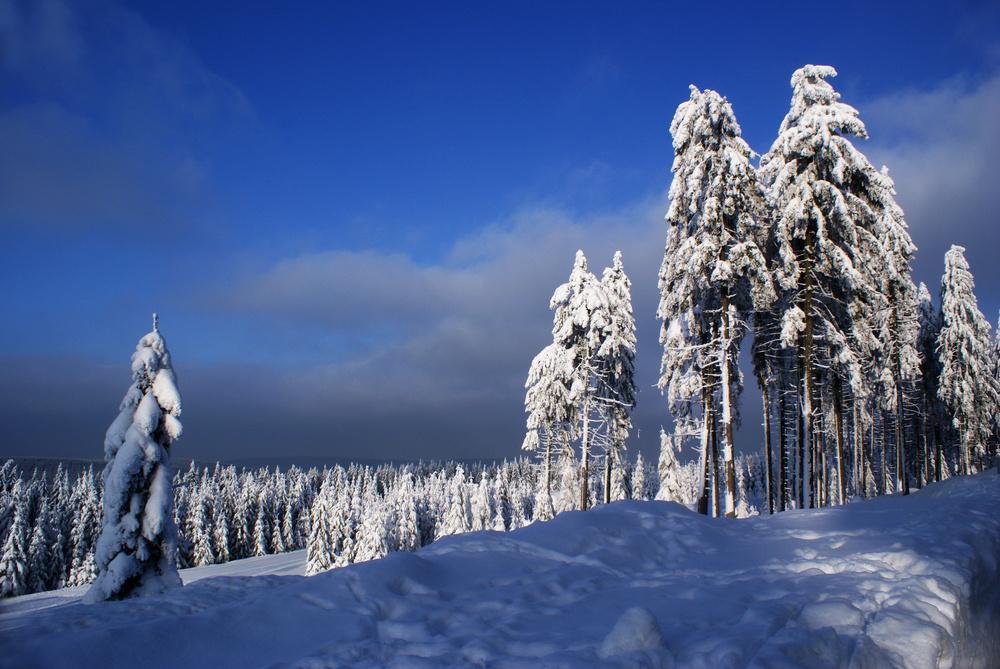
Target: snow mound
(891, 583)
(636, 630)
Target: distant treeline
(49, 524)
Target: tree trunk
(768, 475)
(938, 472)
(706, 412)
(902, 480)
(783, 453)
(727, 409)
(585, 453)
(713, 437)
(607, 475)
(859, 475)
(800, 454)
(838, 410)
(807, 391)
(885, 444)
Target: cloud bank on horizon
(351, 221)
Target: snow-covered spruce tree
(671, 488)
(896, 326)
(966, 387)
(714, 274)
(581, 324)
(828, 201)
(82, 569)
(550, 414)
(14, 552)
(323, 543)
(136, 553)
(40, 549)
(994, 444)
(616, 368)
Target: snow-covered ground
(895, 582)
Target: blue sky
(351, 216)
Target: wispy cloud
(942, 146)
(447, 340)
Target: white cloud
(463, 331)
(942, 146)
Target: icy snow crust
(895, 582)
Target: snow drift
(894, 582)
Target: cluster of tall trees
(581, 386)
(865, 385)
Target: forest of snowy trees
(868, 387)
(50, 523)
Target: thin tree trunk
(782, 453)
(902, 480)
(807, 380)
(703, 468)
(859, 476)
(607, 475)
(800, 453)
(585, 454)
(727, 409)
(885, 443)
(548, 468)
(838, 410)
(768, 476)
(938, 472)
(716, 483)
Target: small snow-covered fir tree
(40, 550)
(616, 369)
(136, 553)
(82, 569)
(201, 538)
(550, 410)
(581, 325)
(671, 487)
(14, 555)
(966, 387)
(320, 550)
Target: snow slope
(894, 582)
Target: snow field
(894, 582)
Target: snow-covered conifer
(82, 568)
(616, 368)
(136, 553)
(40, 577)
(320, 551)
(581, 324)
(966, 387)
(828, 202)
(550, 409)
(671, 487)
(640, 486)
(14, 555)
(714, 273)
(200, 530)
